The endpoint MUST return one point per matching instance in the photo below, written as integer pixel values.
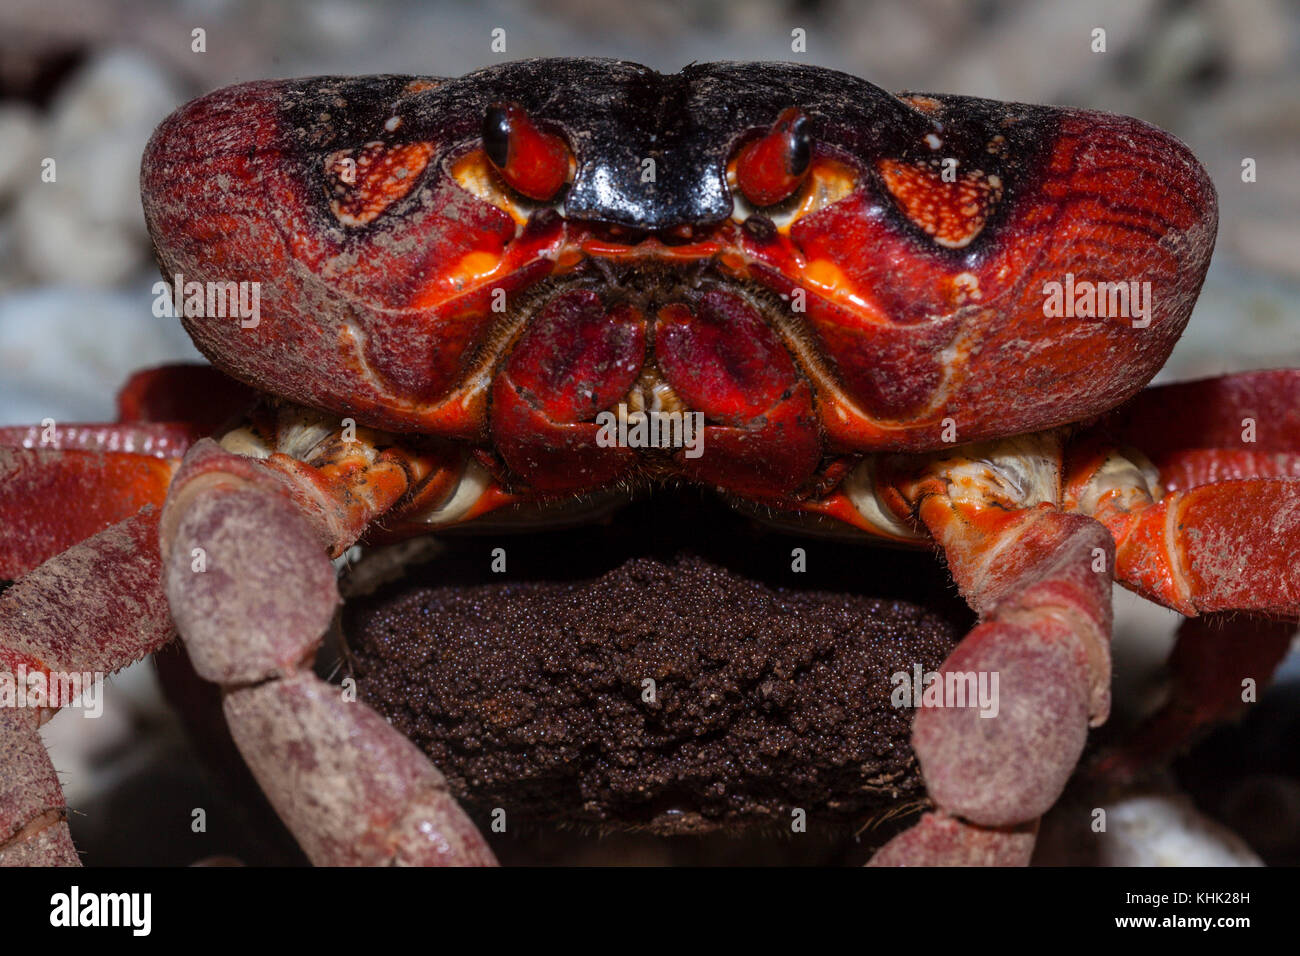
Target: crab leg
(199, 395)
(1040, 580)
(94, 608)
(248, 577)
(1211, 413)
(1210, 520)
(1214, 653)
(61, 483)
(79, 508)
(52, 498)
(1208, 523)
(938, 839)
(1225, 546)
(33, 815)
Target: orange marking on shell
(473, 268)
(831, 281)
(951, 213)
(734, 261)
(919, 101)
(824, 274)
(568, 258)
(365, 182)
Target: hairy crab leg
(1209, 466)
(94, 608)
(1211, 413)
(199, 395)
(1217, 546)
(1040, 580)
(1175, 530)
(252, 612)
(147, 439)
(33, 815)
(938, 839)
(79, 505)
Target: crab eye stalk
(532, 162)
(772, 167)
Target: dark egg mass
(673, 695)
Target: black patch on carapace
(616, 114)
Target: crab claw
(1001, 727)
(941, 840)
(353, 790)
(1010, 767)
(1041, 580)
(247, 577)
(252, 590)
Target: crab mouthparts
(613, 341)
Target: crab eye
(771, 168)
(531, 161)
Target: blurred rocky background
(84, 82)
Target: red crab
(899, 316)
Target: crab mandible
(893, 313)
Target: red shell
(914, 301)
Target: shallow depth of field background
(85, 81)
